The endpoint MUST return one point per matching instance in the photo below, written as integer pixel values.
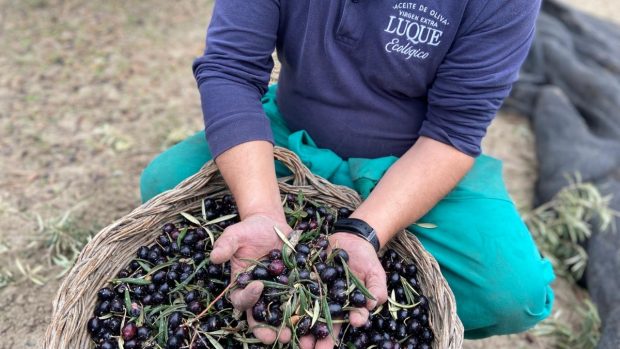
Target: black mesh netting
(570, 88)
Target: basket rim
(72, 297)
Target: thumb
(225, 246)
(376, 284)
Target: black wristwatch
(359, 228)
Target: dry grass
(89, 93)
(561, 226)
(584, 335)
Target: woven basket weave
(114, 247)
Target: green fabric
(487, 255)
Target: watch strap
(359, 228)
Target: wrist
(274, 214)
(267, 205)
(381, 231)
(356, 239)
(359, 228)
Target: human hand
(365, 264)
(252, 238)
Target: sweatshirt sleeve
(234, 71)
(478, 71)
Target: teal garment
(486, 253)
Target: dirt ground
(89, 93)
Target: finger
(244, 299)
(376, 284)
(328, 342)
(307, 342)
(225, 246)
(358, 317)
(285, 335)
(263, 334)
(267, 335)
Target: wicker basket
(115, 246)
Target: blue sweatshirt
(365, 78)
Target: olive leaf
(181, 236)
(426, 225)
(408, 294)
(162, 334)
(127, 300)
(392, 301)
(162, 266)
(144, 265)
(132, 281)
(303, 301)
(221, 219)
(155, 310)
(272, 284)
(294, 237)
(391, 306)
(140, 320)
(190, 218)
(210, 233)
(213, 342)
(286, 257)
(286, 315)
(347, 276)
(360, 286)
(328, 317)
(315, 312)
(203, 210)
(408, 287)
(284, 238)
(377, 310)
